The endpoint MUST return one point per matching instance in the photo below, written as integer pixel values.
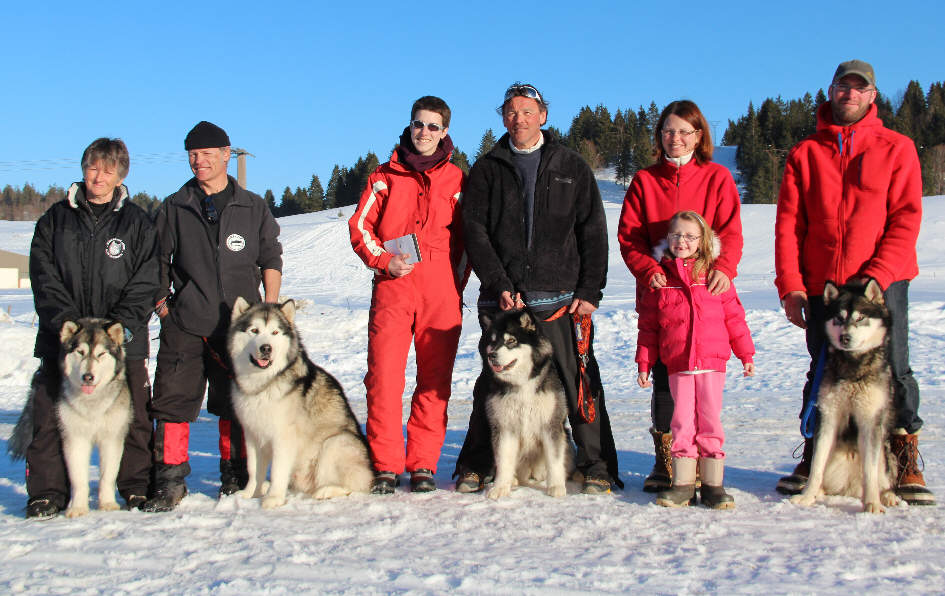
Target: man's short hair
(520, 89)
(112, 152)
(432, 103)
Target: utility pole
(241, 165)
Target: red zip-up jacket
(686, 327)
(663, 189)
(850, 205)
(398, 201)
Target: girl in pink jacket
(693, 332)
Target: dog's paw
(273, 501)
(873, 508)
(889, 498)
(330, 492)
(76, 511)
(557, 491)
(247, 493)
(108, 506)
(497, 492)
(803, 500)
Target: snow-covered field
(528, 543)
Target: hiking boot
(661, 476)
(384, 483)
(421, 481)
(469, 482)
(42, 508)
(134, 502)
(683, 491)
(910, 484)
(233, 476)
(595, 486)
(712, 493)
(797, 480)
(166, 498)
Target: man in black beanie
(217, 241)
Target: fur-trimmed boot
(910, 486)
(661, 476)
(712, 493)
(683, 491)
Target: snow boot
(712, 493)
(134, 502)
(469, 482)
(683, 491)
(661, 476)
(169, 487)
(42, 508)
(233, 473)
(594, 485)
(797, 480)
(233, 476)
(910, 485)
(421, 481)
(384, 483)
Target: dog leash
(809, 417)
(582, 343)
(217, 358)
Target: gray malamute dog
(295, 415)
(94, 409)
(525, 405)
(851, 451)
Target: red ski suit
(662, 190)
(423, 306)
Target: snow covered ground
(528, 543)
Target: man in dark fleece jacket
(536, 238)
(217, 242)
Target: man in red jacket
(849, 210)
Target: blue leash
(809, 417)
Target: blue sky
(304, 86)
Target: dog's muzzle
(263, 359)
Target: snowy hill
(528, 543)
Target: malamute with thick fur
(93, 409)
(851, 451)
(295, 415)
(525, 404)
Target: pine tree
(270, 199)
(315, 195)
(460, 160)
(287, 204)
(486, 143)
(331, 193)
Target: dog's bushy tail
(22, 435)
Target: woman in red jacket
(693, 332)
(683, 178)
(413, 197)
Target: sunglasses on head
(523, 91)
(431, 126)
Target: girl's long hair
(706, 251)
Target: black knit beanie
(206, 135)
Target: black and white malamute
(295, 416)
(94, 409)
(525, 405)
(851, 450)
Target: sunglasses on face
(523, 91)
(431, 126)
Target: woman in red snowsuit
(416, 192)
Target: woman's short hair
(432, 103)
(690, 112)
(112, 152)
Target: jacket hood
(72, 195)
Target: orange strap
(582, 343)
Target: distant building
(14, 270)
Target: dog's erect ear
(831, 291)
(873, 292)
(116, 332)
(69, 328)
(485, 320)
(239, 307)
(526, 320)
(288, 309)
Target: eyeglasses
(689, 238)
(431, 126)
(847, 88)
(670, 133)
(523, 91)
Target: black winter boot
(796, 481)
(233, 476)
(169, 487)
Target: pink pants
(697, 425)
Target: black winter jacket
(207, 278)
(569, 236)
(80, 267)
